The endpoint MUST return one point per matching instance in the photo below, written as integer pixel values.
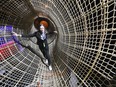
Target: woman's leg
(45, 51)
(48, 56)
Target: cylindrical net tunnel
(83, 52)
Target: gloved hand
(16, 34)
(55, 32)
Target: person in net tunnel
(41, 36)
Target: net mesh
(85, 52)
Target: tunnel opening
(48, 24)
(83, 54)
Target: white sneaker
(50, 67)
(46, 61)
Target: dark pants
(45, 50)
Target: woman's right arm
(28, 35)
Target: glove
(55, 32)
(16, 34)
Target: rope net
(85, 51)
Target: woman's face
(42, 29)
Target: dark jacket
(42, 43)
(37, 35)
